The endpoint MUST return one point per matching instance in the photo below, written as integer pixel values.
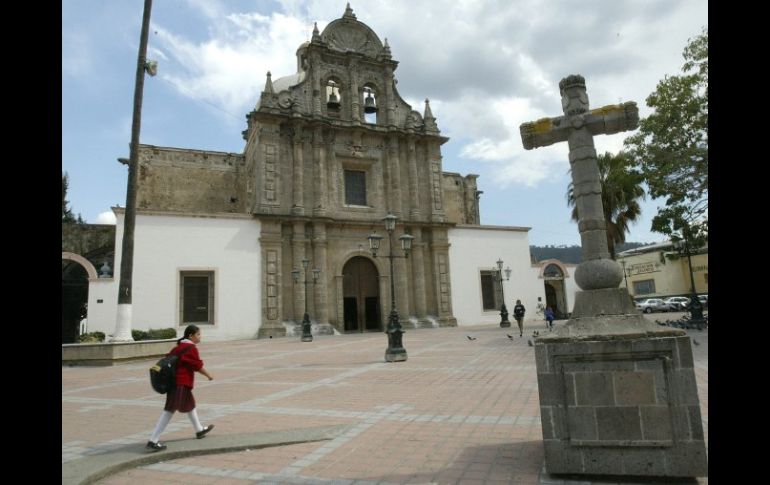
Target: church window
(197, 297)
(355, 187)
(490, 290)
(644, 287)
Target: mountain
(570, 254)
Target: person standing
(549, 318)
(518, 314)
(181, 398)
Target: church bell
(333, 102)
(369, 106)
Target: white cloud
(107, 217)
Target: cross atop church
(577, 127)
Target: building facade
(329, 151)
(659, 271)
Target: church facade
(229, 240)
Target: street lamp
(306, 335)
(696, 309)
(504, 322)
(395, 351)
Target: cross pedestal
(617, 392)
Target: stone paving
(457, 411)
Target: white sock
(165, 417)
(193, 415)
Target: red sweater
(188, 363)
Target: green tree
(66, 212)
(621, 191)
(671, 147)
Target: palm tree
(621, 191)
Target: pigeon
(509, 336)
(471, 338)
(529, 342)
(695, 342)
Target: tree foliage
(621, 191)
(66, 212)
(671, 147)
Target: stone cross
(578, 127)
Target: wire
(192, 95)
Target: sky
(487, 66)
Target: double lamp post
(307, 336)
(395, 351)
(504, 322)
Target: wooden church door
(361, 295)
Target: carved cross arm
(612, 118)
(544, 132)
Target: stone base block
(621, 404)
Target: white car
(677, 303)
(652, 305)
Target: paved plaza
(457, 411)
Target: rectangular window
(197, 297)
(490, 290)
(644, 287)
(355, 187)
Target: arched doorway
(74, 289)
(555, 292)
(361, 295)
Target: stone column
(324, 280)
(319, 173)
(270, 241)
(395, 175)
(414, 191)
(333, 173)
(418, 272)
(298, 253)
(355, 102)
(298, 188)
(433, 157)
(389, 97)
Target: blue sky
(487, 66)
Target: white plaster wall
(473, 249)
(165, 245)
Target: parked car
(652, 305)
(677, 303)
(704, 300)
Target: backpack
(163, 373)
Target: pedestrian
(549, 318)
(181, 398)
(518, 314)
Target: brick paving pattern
(457, 411)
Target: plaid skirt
(180, 399)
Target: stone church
(329, 152)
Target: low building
(659, 271)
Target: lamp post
(696, 309)
(306, 335)
(395, 351)
(504, 322)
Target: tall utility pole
(123, 325)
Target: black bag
(163, 374)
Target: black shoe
(155, 446)
(202, 433)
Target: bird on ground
(695, 342)
(510, 336)
(471, 338)
(529, 342)
(535, 333)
